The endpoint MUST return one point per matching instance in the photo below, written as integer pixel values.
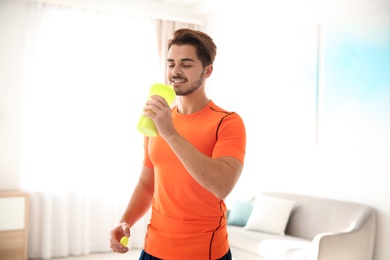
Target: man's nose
(176, 71)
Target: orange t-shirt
(187, 221)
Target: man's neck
(188, 106)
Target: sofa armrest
(356, 243)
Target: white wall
(265, 70)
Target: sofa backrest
(313, 215)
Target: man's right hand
(123, 229)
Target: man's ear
(208, 70)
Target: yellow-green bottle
(145, 124)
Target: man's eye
(187, 66)
(171, 65)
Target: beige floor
(131, 255)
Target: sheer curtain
(85, 84)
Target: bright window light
(88, 78)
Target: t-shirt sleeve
(231, 138)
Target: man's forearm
(216, 175)
(138, 205)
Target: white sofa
(316, 229)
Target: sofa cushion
(270, 214)
(266, 245)
(239, 212)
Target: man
(190, 167)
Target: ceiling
(186, 3)
(176, 10)
(195, 11)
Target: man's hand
(123, 229)
(160, 112)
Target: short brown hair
(206, 50)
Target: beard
(194, 86)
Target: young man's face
(185, 71)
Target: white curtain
(85, 84)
